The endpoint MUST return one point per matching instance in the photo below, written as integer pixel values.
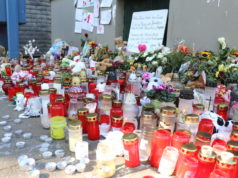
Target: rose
(146, 75)
(142, 47)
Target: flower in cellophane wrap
(75, 92)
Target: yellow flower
(217, 73)
(222, 68)
(206, 54)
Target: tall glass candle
(93, 126)
(232, 145)
(52, 94)
(206, 125)
(198, 109)
(45, 122)
(179, 138)
(222, 110)
(210, 91)
(82, 117)
(192, 122)
(186, 102)
(206, 162)
(168, 161)
(188, 167)
(226, 163)
(131, 150)
(75, 133)
(160, 140)
(167, 118)
(202, 138)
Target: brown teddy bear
(104, 64)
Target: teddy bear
(104, 64)
(20, 75)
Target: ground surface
(8, 152)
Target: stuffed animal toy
(119, 43)
(220, 125)
(20, 102)
(78, 67)
(153, 81)
(20, 75)
(2, 51)
(197, 83)
(104, 64)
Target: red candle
(57, 109)
(131, 150)
(206, 162)
(218, 174)
(188, 168)
(61, 100)
(82, 117)
(222, 110)
(116, 109)
(187, 150)
(180, 138)
(128, 127)
(227, 164)
(117, 122)
(91, 87)
(206, 125)
(160, 140)
(236, 158)
(38, 88)
(93, 126)
(11, 93)
(52, 94)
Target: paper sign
(106, 16)
(75, 2)
(96, 8)
(78, 27)
(147, 27)
(79, 13)
(100, 29)
(106, 3)
(96, 22)
(88, 22)
(85, 3)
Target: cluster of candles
(176, 141)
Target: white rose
(154, 63)
(164, 60)
(149, 59)
(145, 54)
(222, 42)
(160, 55)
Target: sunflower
(206, 54)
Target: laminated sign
(147, 27)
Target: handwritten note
(106, 16)
(88, 21)
(147, 27)
(79, 13)
(100, 29)
(78, 27)
(106, 3)
(96, 8)
(85, 3)
(96, 22)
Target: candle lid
(232, 145)
(148, 107)
(129, 137)
(106, 97)
(32, 81)
(91, 117)
(21, 85)
(82, 111)
(207, 154)
(117, 118)
(191, 118)
(38, 83)
(83, 80)
(203, 136)
(199, 106)
(222, 106)
(226, 160)
(188, 148)
(8, 81)
(57, 80)
(60, 99)
(52, 90)
(186, 94)
(168, 111)
(148, 116)
(235, 125)
(88, 100)
(234, 134)
(74, 124)
(44, 92)
(116, 102)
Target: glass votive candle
(179, 138)
(202, 138)
(198, 109)
(222, 110)
(206, 125)
(188, 167)
(168, 161)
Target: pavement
(9, 153)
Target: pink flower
(146, 75)
(142, 47)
